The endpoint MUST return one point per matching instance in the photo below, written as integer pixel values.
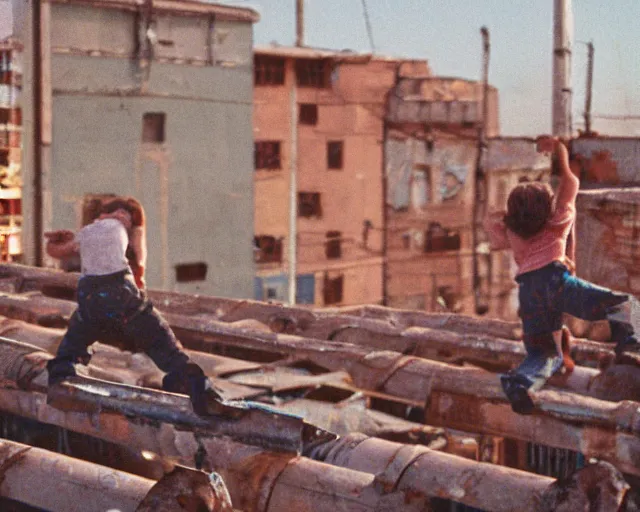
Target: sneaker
(517, 394)
(205, 400)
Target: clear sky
(447, 34)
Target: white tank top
(103, 245)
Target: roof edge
(224, 12)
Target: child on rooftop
(112, 305)
(536, 227)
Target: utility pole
(562, 45)
(589, 91)
(299, 22)
(293, 167)
(480, 192)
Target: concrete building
(322, 113)
(10, 150)
(608, 222)
(147, 99)
(431, 148)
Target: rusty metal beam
(111, 364)
(260, 480)
(55, 482)
(487, 342)
(460, 397)
(419, 380)
(59, 483)
(404, 467)
(496, 354)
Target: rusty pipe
(419, 470)
(482, 340)
(55, 482)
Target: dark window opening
(309, 204)
(186, 272)
(333, 289)
(406, 240)
(313, 73)
(335, 154)
(153, 127)
(268, 70)
(308, 114)
(441, 239)
(333, 245)
(266, 155)
(4, 157)
(269, 249)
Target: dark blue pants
(545, 295)
(112, 309)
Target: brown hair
(529, 207)
(128, 204)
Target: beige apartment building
(322, 114)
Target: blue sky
(447, 34)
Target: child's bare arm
(569, 182)
(61, 244)
(138, 242)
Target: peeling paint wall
(196, 184)
(429, 203)
(608, 234)
(606, 161)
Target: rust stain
(601, 168)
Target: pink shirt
(547, 246)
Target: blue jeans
(545, 294)
(112, 309)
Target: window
(440, 239)
(333, 247)
(308, 114)
(153, 127)
(333, 289)
(269, 249)
(266, 155)
(334, 154)
(186, 272)
(268, 70)
(309, 204)
(313, 73)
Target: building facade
(608, 222)
(152, 100)
(10, 150)
(431, 148)
(321, 114)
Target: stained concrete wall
(197, 185)
(427, 185)
(608, 161)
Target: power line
(617, 117)
(368, 24)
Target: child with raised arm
(536, 227)
(112, 306)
